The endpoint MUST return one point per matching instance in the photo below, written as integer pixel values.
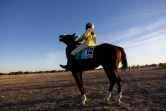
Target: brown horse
(107, 55)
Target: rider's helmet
(90, 25)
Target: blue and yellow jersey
(89, 38)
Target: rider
(89, 39)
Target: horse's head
(68, 39)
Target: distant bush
(61, 71)
(153, 65)
(162, 65)
(40, 72)
(14, 73)
(2, 73)
(53, 71)
(11, 73)
(19, 72)
(26, 72)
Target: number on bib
(90, 51)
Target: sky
(29, 30)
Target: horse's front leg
(78, 78)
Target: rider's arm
(94, 38)
(85, 35)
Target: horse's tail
(124, 59)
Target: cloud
(134, 33)
(158, 35)
(147, 49)
(147, 13)
(159, 24)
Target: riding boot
(64, 67)
(69, 63)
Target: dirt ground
(142, 90)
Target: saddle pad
(86, 53)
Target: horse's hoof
(107, 100)
(82, 104)
(120, 97)
(84, 99)
(120, 102)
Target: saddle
(85, 54)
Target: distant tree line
(36, 72)
(153, 65)
(162, 65)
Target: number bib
(86, 53)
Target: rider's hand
(77, 42)
(92, 33)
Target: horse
(107, 55)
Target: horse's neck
(69, 49)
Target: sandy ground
(142, 90)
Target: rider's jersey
(88, 37)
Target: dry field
(142, 90)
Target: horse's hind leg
(119, 87)
(113, 78)
(108, 94)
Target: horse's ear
(74, 34)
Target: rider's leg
(72, 56)
(74, 52)
(78, 49)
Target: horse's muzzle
(60, 38)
